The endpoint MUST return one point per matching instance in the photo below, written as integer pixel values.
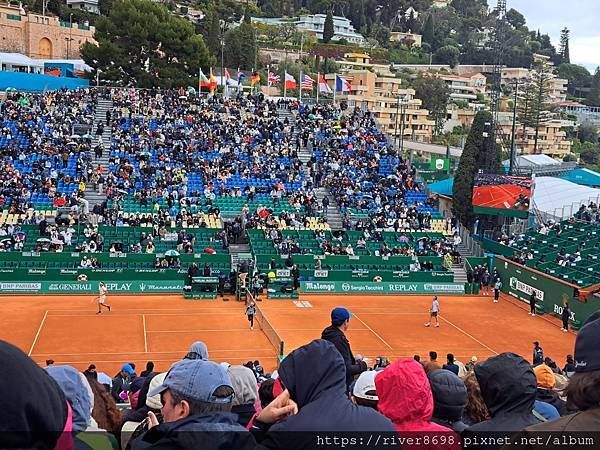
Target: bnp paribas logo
(513, 283)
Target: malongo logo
(329, 287)
(517, 285)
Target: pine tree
(478, 142)
(536, 108)
(488, 157)
(564, 45)
(213, 37)
(428, 30)
(593, 98)
(328, 30)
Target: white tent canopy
(525, 161)
(558, 199)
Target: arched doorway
(45, 49)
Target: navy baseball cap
(196, 379)
(339, 315)
(587, 342)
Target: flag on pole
(255, 78)
(323, 86)
(227, 77)
(290, 81)
(204, 82)
(341, 84)
(274, 78)
(241, 77)
(306, 82)
(212, 84)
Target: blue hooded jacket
(315, 376)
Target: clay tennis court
(501, 196)
(161, 328)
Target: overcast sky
(582, 17)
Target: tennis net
(269, 331)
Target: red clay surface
(503, 196)
(161, 328)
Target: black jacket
(552, 398)
(314, 377)
(338, 338)
(508, 387)
(201, 431)
(449, 399)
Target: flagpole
(334, 86)
(300, 91)
(200, 82)
(318, 85)
(285, 85)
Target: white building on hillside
(314, 24)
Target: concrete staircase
(460, 275)
(238, 253)
(102, 106)
(334, 217)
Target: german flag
(255, 78)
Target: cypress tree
(428, 30)
(462, 192)
(328, 30)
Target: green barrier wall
(109, 257)
(91, 287)
(340, 287)
(97, 274)
(519, 281)
(368, 275)
(350, 260)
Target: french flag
(323, 86)
(341, 84)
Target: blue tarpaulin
(585, 177)
(443, 187)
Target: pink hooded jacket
(405, 398)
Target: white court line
(183, 313)
(145, 337)
(37, 335)
(474, 338)
(201, 330)
(141, 353)
(120, 361)
(373, 331)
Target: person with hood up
(121, 382)
(508, 388)
(314, 378)
(583, 390)
(545, 385)
(246, 393)
(335, 333)
(79, 395)
(198, 350)
(196, 397)
(405, 398)
(34, 413)
(449, 399)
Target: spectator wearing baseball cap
(364, 392)
(583, 390)
(335, 333)
(196, 397)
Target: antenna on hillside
(499, 43)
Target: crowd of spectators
(318, 388)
